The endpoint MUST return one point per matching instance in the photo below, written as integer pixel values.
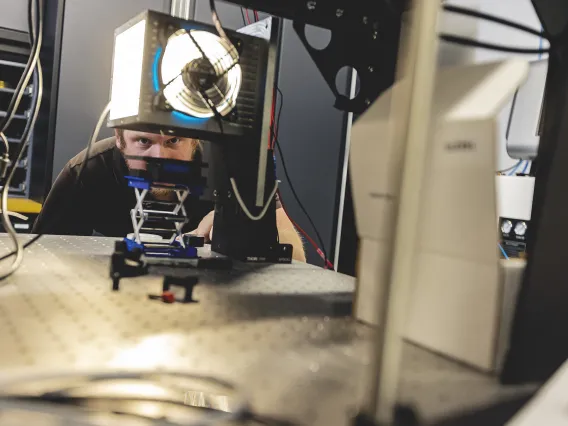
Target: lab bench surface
(272, 330)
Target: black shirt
(101, 202)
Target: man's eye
(173, 141)
(144, 141)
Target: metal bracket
(365, 36)
(375, 68)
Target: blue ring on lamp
(155, 69)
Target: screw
(311, 5)
(229, 195)
(215, 193)
(375, 34)
(339, 13)
(365, 20)
(367, 102)
(371, 69)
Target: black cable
(498, 20)
(463, 41)
(275, 129)
(35, 17)
(24, 140)
(35, 43)
(75, 184)
(320, 240)
(221, 31)
(243, 15)
(216, 20)
(276, 124)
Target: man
(100, 204)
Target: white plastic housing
(456, 296)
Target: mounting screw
(311, 5)
(375, 34)
(371, 69)
(367, 102)
(365, 20)
(215, 193)
(339, 13)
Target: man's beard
(162, 194)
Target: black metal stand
(130, 263)
(125, 264)
(235, 234)
(188, 284)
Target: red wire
(256, 16)
(328, 264)
(248, 17)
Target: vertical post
(344, 173)
(271, 78)
(184, 9)
(409, 123)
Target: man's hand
(205, 227)
(286, 231)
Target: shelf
(21, 188)
(12, 64)
(16, 116)
(28, 90)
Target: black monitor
(553, 15)
(539, 340)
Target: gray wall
(86, 59)
(14, 14)
(311, 131)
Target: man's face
(153, 145)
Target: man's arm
(65, 211)
(288, 235)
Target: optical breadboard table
(274, 331)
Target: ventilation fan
(200, 73)
(180, 77)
